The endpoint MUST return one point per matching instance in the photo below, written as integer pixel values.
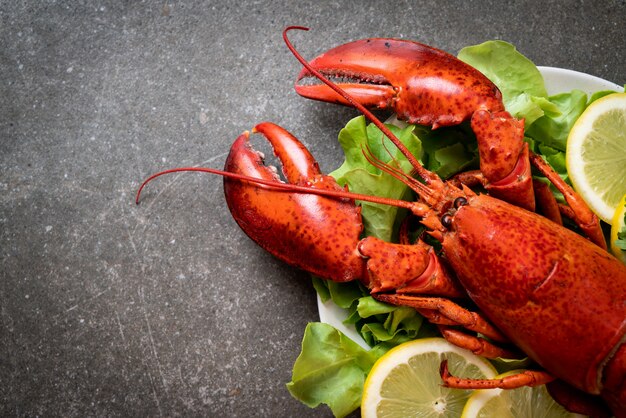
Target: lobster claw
(317, 234)
(426, 86)
(421, 84)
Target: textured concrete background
(168, 309)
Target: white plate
(557, 80)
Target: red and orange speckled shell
(289, 225)
(558, 297)
(430, 86)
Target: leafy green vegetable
(620, 242)
(375, 321)
(331, 369)
(321, 288)
(368, 306)
(552, 130)
(448, 150)
(400, 325)
(344, 295)
(503, 365)
(599, 94)
(523, 89)
(362, 177)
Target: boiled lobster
(555, 295)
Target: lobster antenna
(426, 175)
(399, 175)
(417, 208)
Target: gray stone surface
(168, 309)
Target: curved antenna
(418, 209)
(424, 192)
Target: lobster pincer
(426, 86)
(295, 227)
(315, 232)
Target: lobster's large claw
(317, 234)
(424, 85)
(421, 84)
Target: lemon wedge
(523, 402)
(405, 382)
(618, 224)
(596, 154)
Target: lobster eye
(446, 220)
(460, 201)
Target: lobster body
(558, 297)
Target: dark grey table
(168, 309)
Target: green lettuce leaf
(599, 94)
(448, 150)
(362, 177)
(620, 242)
(393, 326)
(321, 287)
(523, 89)
(503, 365)
(331, 369)
(368, 306)
(345, 294)
(553, 130)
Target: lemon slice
(405, 382)
(596, 154)
(524, 402)
(618, 224)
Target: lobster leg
(572, 399)
(476, 345)
(582, 215)
(454, 312)
(406, 268)
(546, 202)
(524, 378)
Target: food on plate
(596, 154)
(525, 402)
(405, 381)
(482, 271)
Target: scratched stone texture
(167, 308)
